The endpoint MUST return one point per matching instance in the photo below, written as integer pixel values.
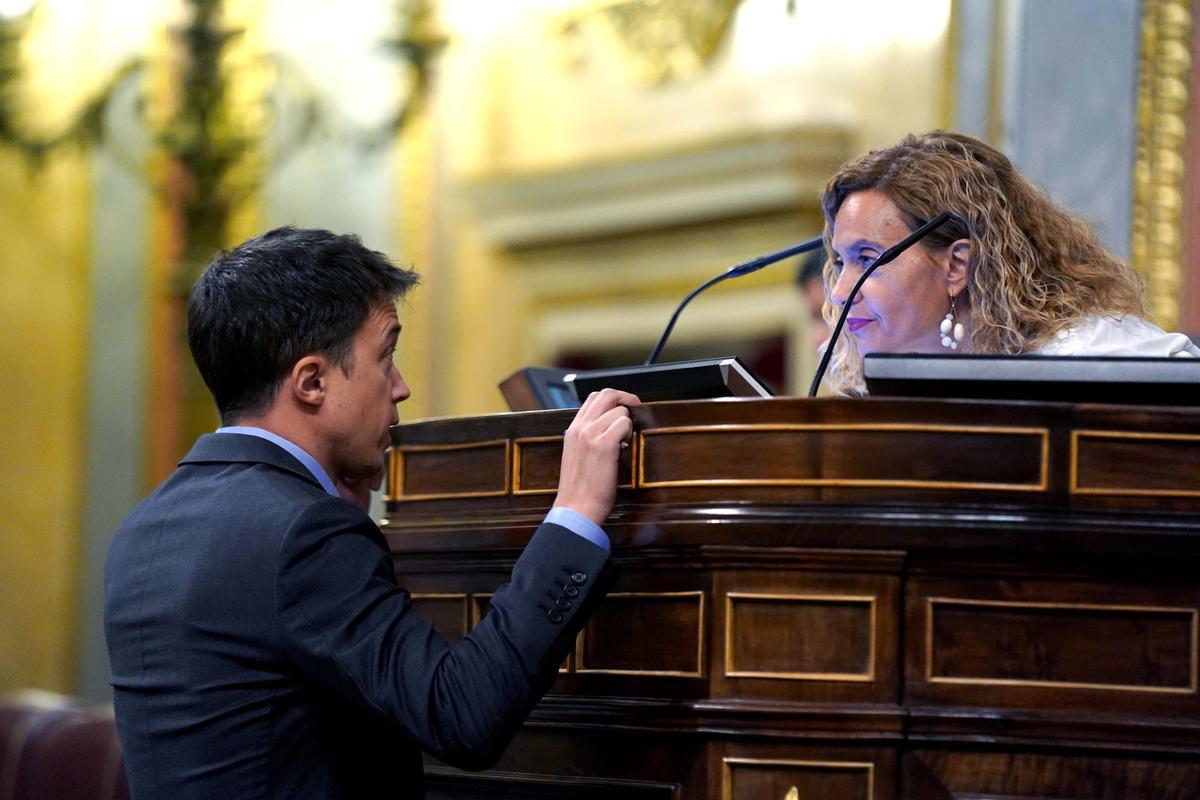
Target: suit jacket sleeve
(346, 623)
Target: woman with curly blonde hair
(1012, 273)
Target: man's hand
(358, 491)
(587, 481)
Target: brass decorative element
(867, 600)
(1116, 491)
(792, 794)
(729, 763)
(1194, 670)
(1040, 486)
(580, 666)
(396, 471)
(1157, 240)
(666, 40)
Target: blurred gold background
(561, 173)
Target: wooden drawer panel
(1054, 644)
(910, 456)
(449, 471)
(645, 633)
(1037, 776)
(803, 771)
(800, 636)
(807, 635)
(447, 611)
(536, 462)
(1098, 646)
(1168, 465)
(787, 779)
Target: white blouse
(1124, 336)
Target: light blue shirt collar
(292, 448)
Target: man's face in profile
(361, 402)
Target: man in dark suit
(260, 646)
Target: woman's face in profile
(900, 307)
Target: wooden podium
(849, 598)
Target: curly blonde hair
(1034, 270)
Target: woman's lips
(856, 324)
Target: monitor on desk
(1074, 379)
(534, 388)
(679, 380)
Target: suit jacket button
(570, 591)
(578, 578)
(563, 603)
(554, 615)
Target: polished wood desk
(855, 598)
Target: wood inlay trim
(397, 481)
(1040, 486)
(857, 677)
(1118, 491)
(463, 596)
(580, 645)
(1193, 670)
(728, 762)
(476, 614)
(516, 464)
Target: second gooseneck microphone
(887, 256)
(737, 270)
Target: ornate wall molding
(664, 40)
(1162, 113)
(647, 192)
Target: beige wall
(520, 106)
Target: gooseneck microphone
(887, 256)
(736, 271)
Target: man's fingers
(610, 398)
(599, 403)
(620, 428)
(597, 430)
(588, 474)
(615, 423)
(588, 402)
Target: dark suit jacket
(261, 648)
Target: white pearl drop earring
(952, 330)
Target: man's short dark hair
(262, 306)
(810, 267)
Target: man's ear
(307, 381)
(957, 264)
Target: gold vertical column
(1157, 240)
(179, 407)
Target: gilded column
(1157, 241)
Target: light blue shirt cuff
(580, 525)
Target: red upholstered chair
(53, 749)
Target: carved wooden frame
(1194, 668)
(871, 601)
